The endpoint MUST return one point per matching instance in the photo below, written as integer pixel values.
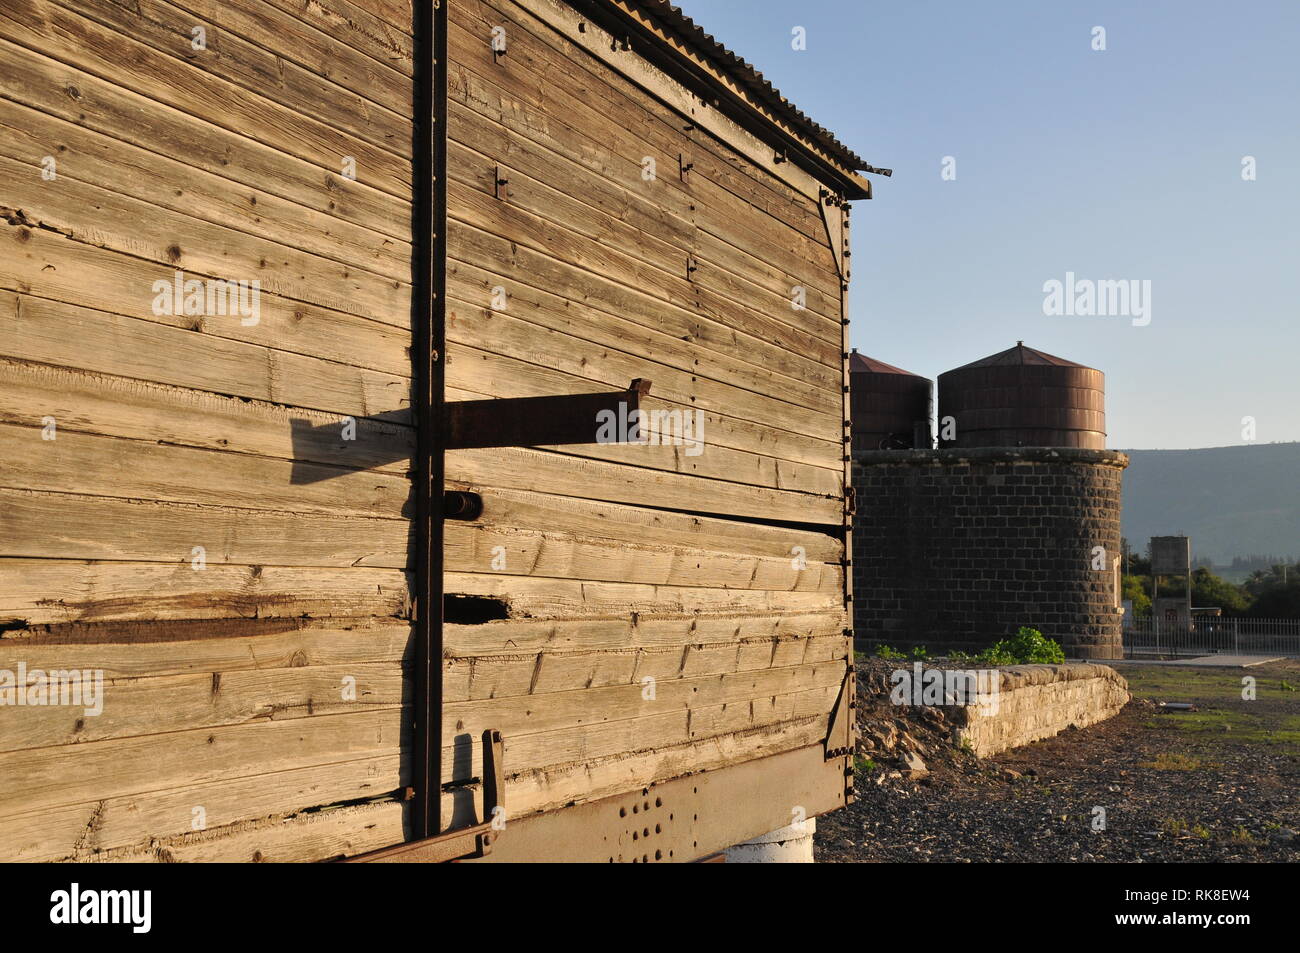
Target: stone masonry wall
(1038, 701)
(959, 548)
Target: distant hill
(1232, 501)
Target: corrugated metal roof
(674, 22)
(1021, 355)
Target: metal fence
(1210, 636)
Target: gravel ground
(1218, 784)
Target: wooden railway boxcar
(422, 434)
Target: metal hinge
(841, 723)
(466, 842)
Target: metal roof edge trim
(694, 58)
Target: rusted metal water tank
(1022, 398)
(889, 407)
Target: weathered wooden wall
(224, 685)
(717, 575)
(622, 563)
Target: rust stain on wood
(163, 630)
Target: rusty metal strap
(541, 421)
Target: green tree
(1138, 565)
(1262, 580)
(1211, 590)
(1280, 601)
(1137, 588)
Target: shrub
(884, 651)
(996, 654)
(1026, 646)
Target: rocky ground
(1221, 783)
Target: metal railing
(1211, 636)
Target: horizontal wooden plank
(646, 328)
(72, 774)
(374, 106)
(543, 512)
(649, 631)
(475, 139)
(57, 591)
(45, 264)
(357, 25)
(545, 752)
(688, 212)
(288, 279)
(473, 548)
(473, 322)
(330, 38)
(518, 268)
(526, 469)
(159, 825)
(300, 838)
(505, 676)
(135, 707)
(28, 135)
(73, 526)
(78, 97)
(46, 525)
(54, 332)
(87, 402)
(765, 320)
(168, 81)
(135, 654)
(737, 272)
(545, 598)
(147, 470)
(397, 13)
(105, 707)
(515, 716)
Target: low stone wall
(1038, 701)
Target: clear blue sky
(1122, 164)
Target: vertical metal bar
(428, 286)
(842, 207)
